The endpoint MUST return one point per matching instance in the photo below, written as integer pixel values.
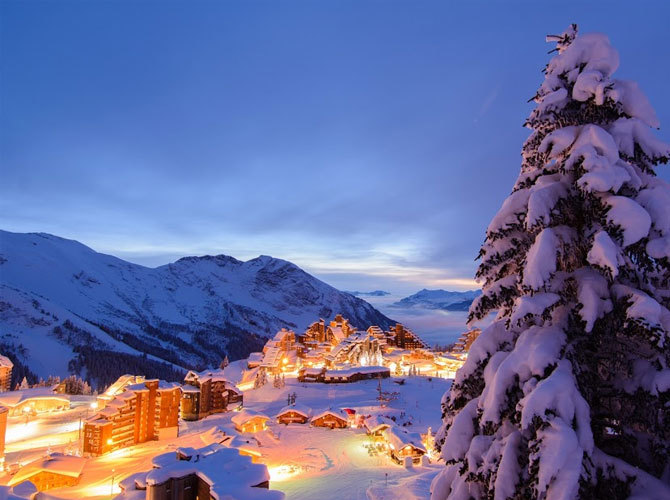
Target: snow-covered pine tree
(566, 394)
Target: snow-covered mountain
(439, 299)
(65, 307)
(375, 293)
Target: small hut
(331, 419)
(404, 444)
(375, 426)
(293, 415)
(250, 421)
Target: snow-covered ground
(327, 463)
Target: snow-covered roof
(120, 384)
(243, 444)
(162, 385)
(337, 333)
(255, 357)
(334, 413)
(229, 474)
(241, 417)
(313, 372)
(56, 463)
(232, 387)
(300, 409)
(137, 387)
(348, 372)
(272, 357)
(5, 361)
(400, 438)
(281, 334)
(23, 491)
(205, 375)
(13, 398)
(376, 423)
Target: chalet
(209, 473)
(357, 373)
(375, 426)
(250, 421)
(293, 415)
(54, 471)
(331, 419)
(311, 374)
(404, 444)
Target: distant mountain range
(376, 293)
(439, 299)
(65, 308)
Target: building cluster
(209, 473)
(143, 412)
(339, 352)
(206, 393)
(134, 410)
(56, 470)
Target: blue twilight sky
(369, 142)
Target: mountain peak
(190, 313)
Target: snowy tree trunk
(566, 394)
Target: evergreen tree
(566, 393)
(24, 384)
(224, 363)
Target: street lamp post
(111, 488)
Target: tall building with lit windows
(144, 412)
(6, 367)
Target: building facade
(6, 367)
(206, 393)
(144, 412)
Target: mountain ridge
(61, 299)
(439, 299)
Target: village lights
(94, 405)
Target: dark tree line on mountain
(103, 367)
(208, 345)
(72, 335)
(73, 384)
